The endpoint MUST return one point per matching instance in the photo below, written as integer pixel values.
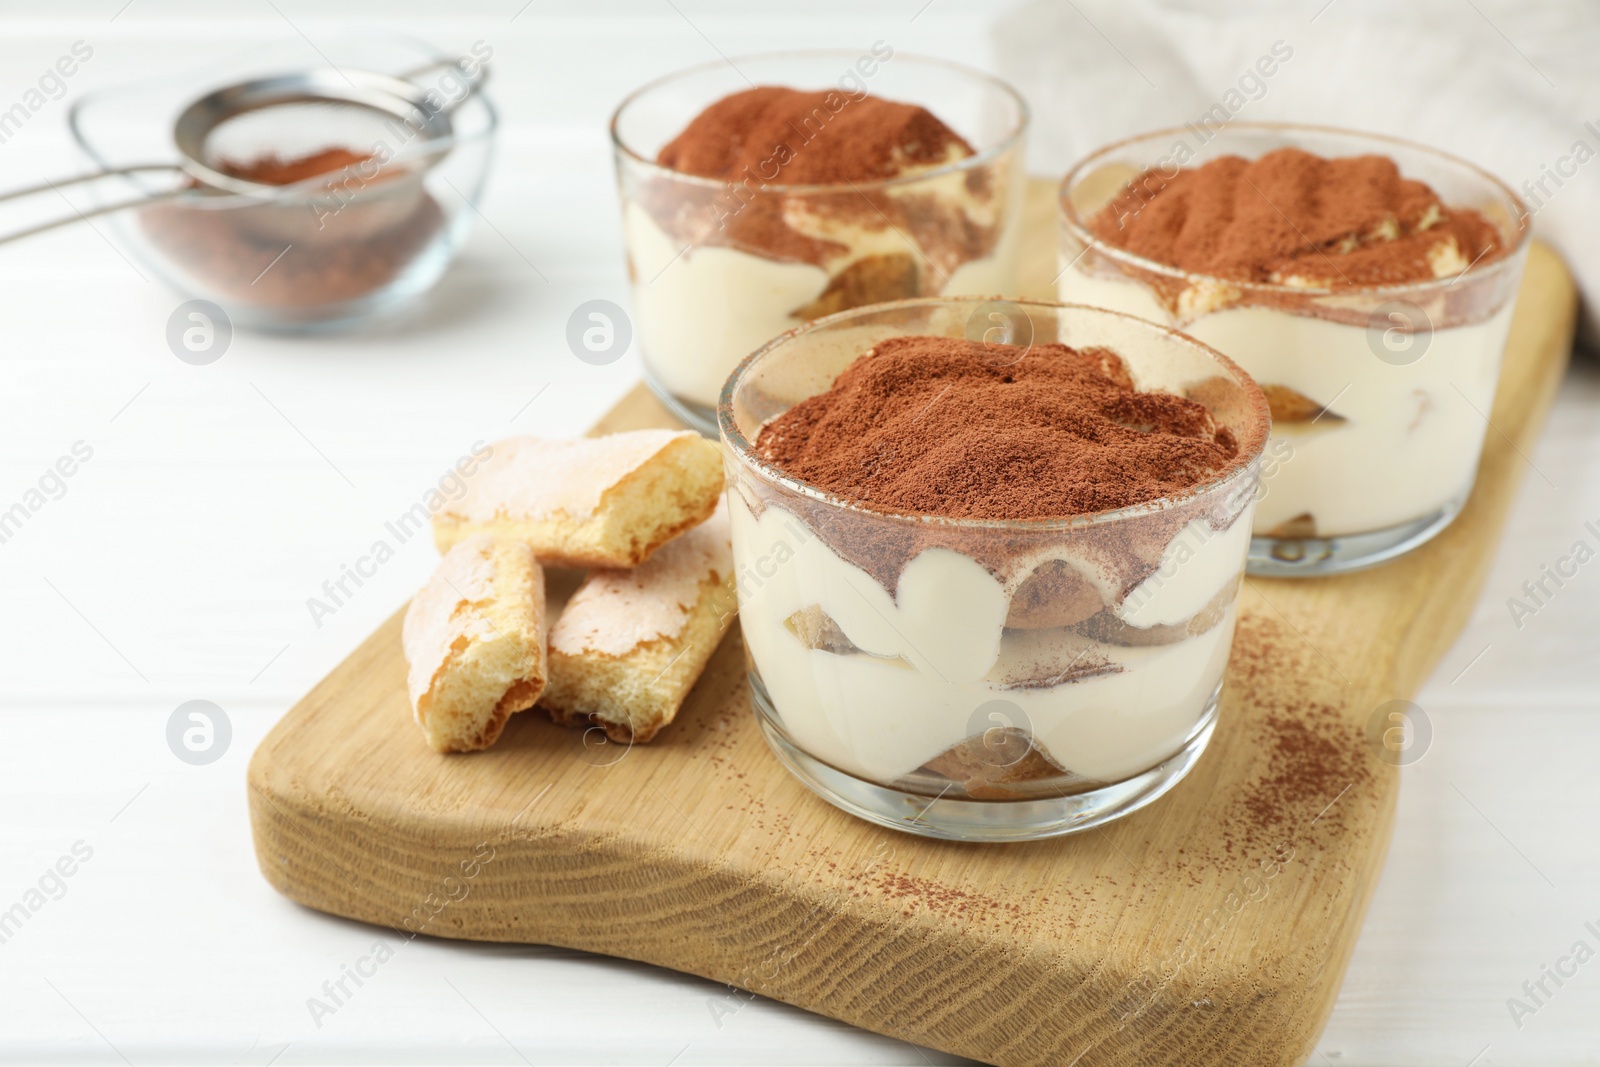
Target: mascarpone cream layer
(700, 311)
(1411, 433)
(937, 651)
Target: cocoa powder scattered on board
(1333, 223)
(1312, 763)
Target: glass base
(690, 414)
(393, 299)
(961, 819)
(1315, 557)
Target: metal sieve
(406, 127)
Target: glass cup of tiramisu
(1366, 282)
(766, 191)
(987, 557)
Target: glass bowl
(1393, 383)
(339, 249)
(711, 283)
(947, 677)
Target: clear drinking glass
(1387, 388)
(948, 677)
(710, 285)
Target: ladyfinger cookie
(475, 641)
(630, 644)
(592, 502)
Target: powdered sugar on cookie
(441, 613)
(532, 478)
(474, 637)
(617, 610)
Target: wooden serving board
(1213, 927)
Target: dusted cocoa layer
(966, 430)
(948, 429)
(1298, 219)
(761, 143)
(855, 139)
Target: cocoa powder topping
(759, 144)
(1294, 218)
(792, 137)
(949, 427)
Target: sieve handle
(104, 209)
(474, 81)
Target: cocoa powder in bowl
(349, 237)
(274, 170)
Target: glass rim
(1012, 138)
(1071, 221)
(1251, 445)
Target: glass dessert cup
(337, 250)
(1386, 389)
(713, 264)
(947, 677)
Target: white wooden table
(178, 562)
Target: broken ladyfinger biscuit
(1054, 594)
(630, 644)
(592, 502)
(997, 764)
(474, 638)
(1292, 409)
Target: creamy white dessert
(928, 657)
(702, 310)
(886, 638)
(1345, 288)
(1403, 439)
(776, 206)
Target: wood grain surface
(1212, 927)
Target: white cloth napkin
(1514, 88)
